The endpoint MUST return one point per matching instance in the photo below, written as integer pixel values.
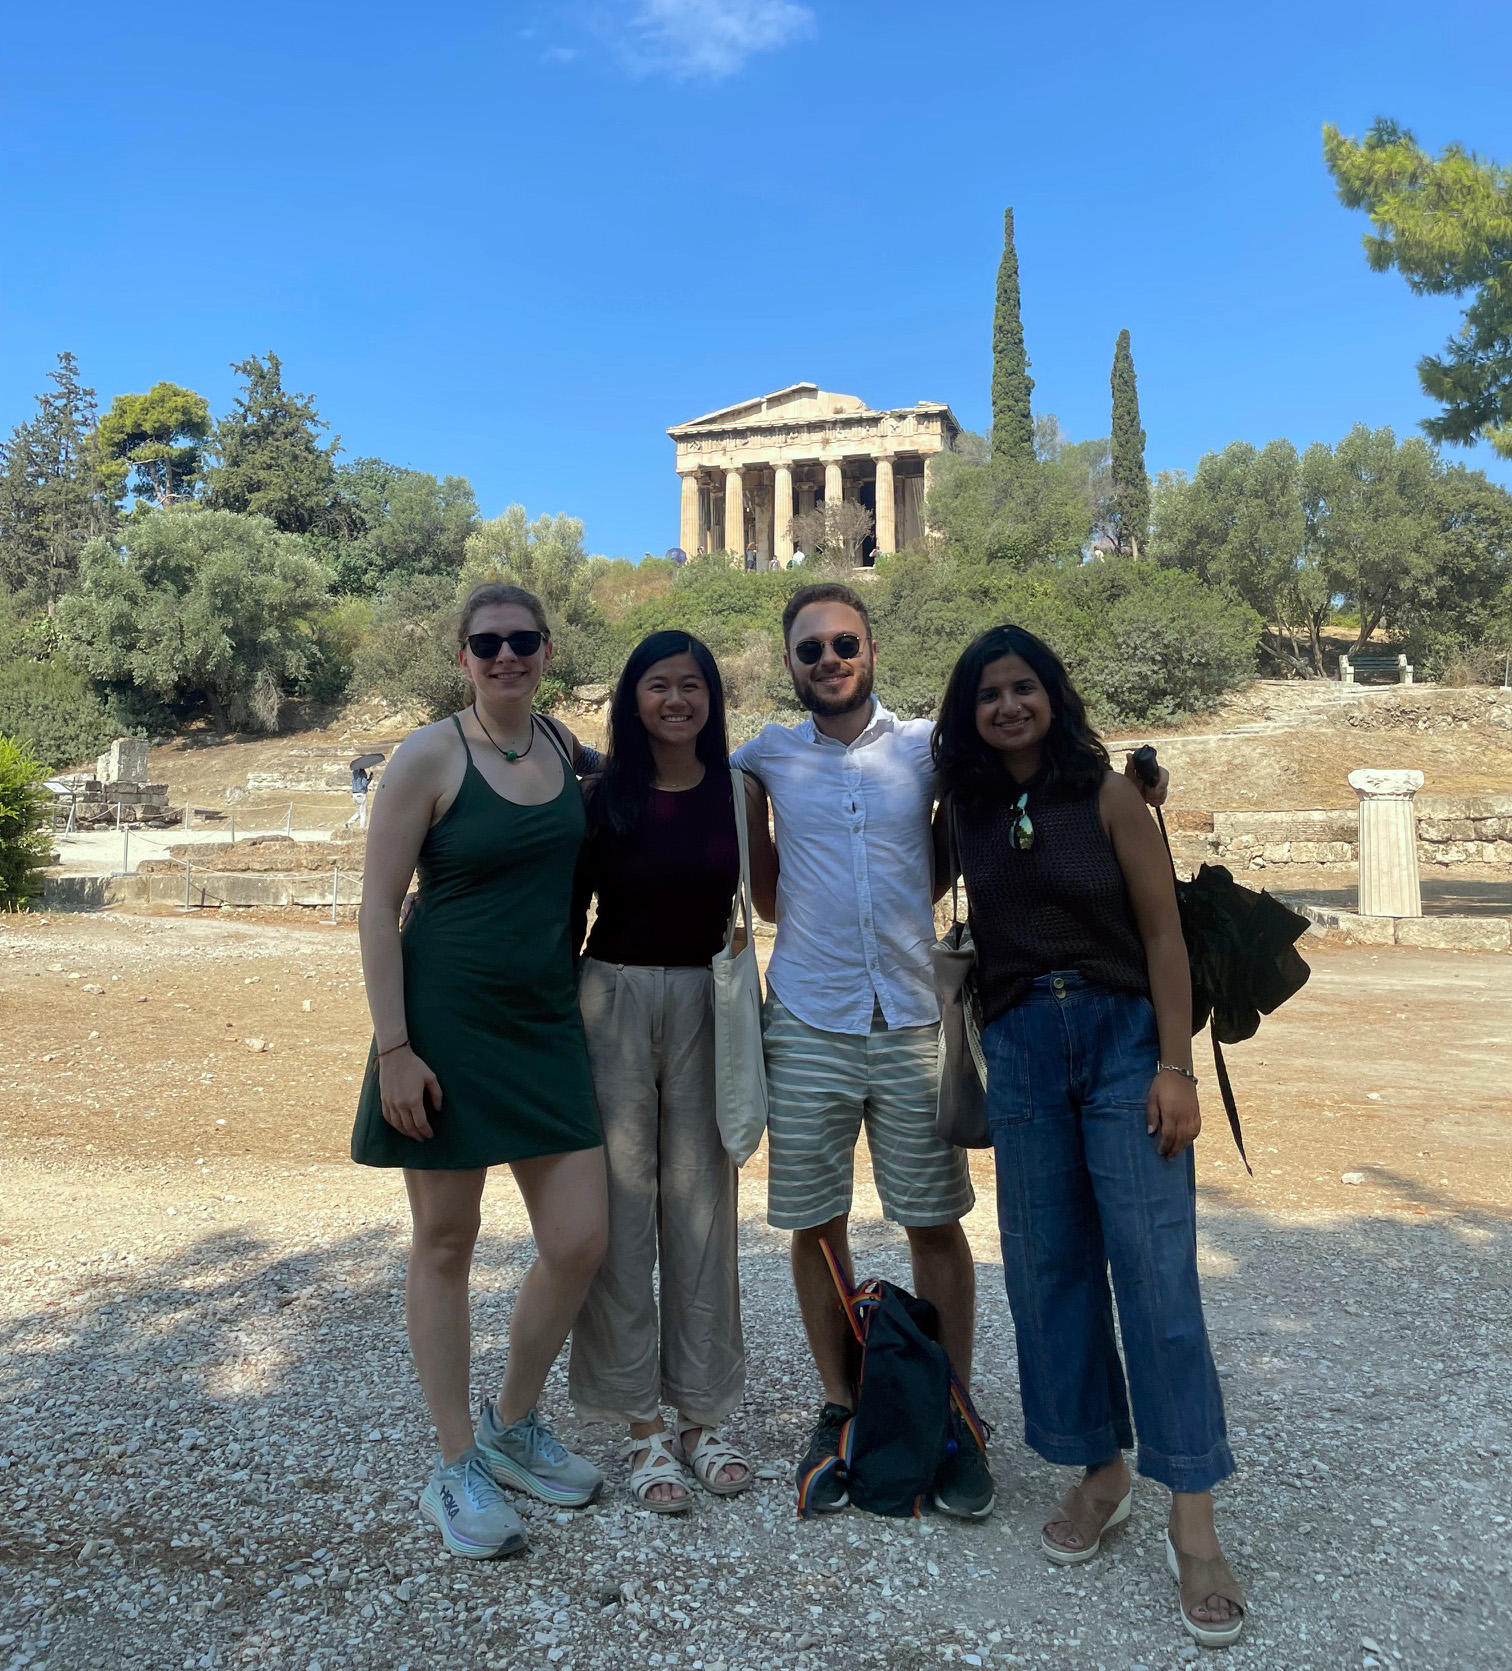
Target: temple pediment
(798, 402)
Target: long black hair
(623, 793)
(1072, 756)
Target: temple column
(1388, 843)
(764, 498)
(688, 536)
(734, 530)
(834, 483)
(783, 532)
(887, 507)
(929, 533)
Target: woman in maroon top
(662, 856)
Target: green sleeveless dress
(490, 995)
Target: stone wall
(1450, 831)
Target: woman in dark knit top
(1091, 1104)
(662, 856)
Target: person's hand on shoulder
(1154, 793)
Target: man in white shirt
(852, 1022)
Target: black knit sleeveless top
(1060, 904)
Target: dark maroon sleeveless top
(664, 898)
(1062, 904)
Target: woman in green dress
(478, 1058)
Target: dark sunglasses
(486, 645)
(809, 650)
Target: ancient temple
(747, 470)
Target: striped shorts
(821, 1088)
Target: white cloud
(709, 40)
(560, 55)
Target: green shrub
(1141, 643)
(1152, 644)
(409, 656)
(24, 845)
(55, 712)
(717, 603)
(337, 635)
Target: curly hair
(1072, 756)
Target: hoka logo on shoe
(451, 1502)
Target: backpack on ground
(899, 1437)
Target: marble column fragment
(783, 534)
(834, 483)
(887, 507)
(734, 535)
(1388, 842)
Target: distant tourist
(362, 780)
(751, 556)
(662, 856)
(796, 560)
(774, 564)
(1092, 1107)
(478, 1058)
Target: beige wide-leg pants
(672, 1200)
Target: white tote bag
(740, 1089)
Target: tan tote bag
(740, 1088)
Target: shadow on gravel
(211, 1459)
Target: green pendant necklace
(510, 754)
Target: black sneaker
(821, 1474)
(963, 1487)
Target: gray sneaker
(529, 1455)
(473, 1515)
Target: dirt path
(212, 1440)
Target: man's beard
(831, 707)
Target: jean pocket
(1010, 1080)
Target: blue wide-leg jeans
(1082, 1190)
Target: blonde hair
(491, 592)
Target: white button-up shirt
(854, 894)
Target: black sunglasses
(486, 645)
(809, 650)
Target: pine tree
(1012, 419)
(52, 496)
(158, 440)
(1445, 224)
(1131, 486)
(271, 461)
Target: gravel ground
(212, 1444)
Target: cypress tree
(1131, 486)
(52, 497)
(1012, 419)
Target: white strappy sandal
(709, 1456)
(662, 1466)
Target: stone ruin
(118, 791)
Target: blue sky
(515, 242)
